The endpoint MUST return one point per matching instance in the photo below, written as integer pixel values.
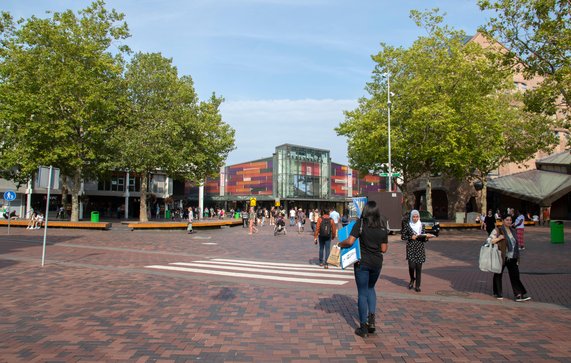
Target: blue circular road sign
(9, 195)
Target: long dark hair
(371, 215)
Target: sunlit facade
(294, 174)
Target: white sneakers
(521, 298)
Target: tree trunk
(484, 196)
(428, 195)
(64, 192)
(143, 203)
(408, 197)
(76, 185)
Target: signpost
(390, 179)
(50, 174)
(9, 196)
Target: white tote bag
(490, 258)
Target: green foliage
(454, 110)
(168, 128)
(67, 101)
(537, 34)
(60, 90)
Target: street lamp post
(390, 176)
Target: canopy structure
(542, 186)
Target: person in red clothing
(325, 231)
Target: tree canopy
(168, 128)
(68, 99)
(537, 34)
(60, 91)
(454, 111)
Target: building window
(522, 86)
(158, 184)
(117, 184)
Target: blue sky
(286, 68)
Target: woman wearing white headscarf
(413, 233)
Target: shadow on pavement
(343, 305)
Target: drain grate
(452, 293)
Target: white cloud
(261, 125)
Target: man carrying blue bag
(370, 234)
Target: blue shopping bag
(349, 255)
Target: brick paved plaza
(218, 296)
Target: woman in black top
(372, 232)
(489, 222)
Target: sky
(287, 69)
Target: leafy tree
(169, 129)
(537, 34)
(454, 110)
(60, 92)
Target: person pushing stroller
(280, 225)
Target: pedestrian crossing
(287, 272)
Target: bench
(183, 225)
(59, 224)
(447, 225)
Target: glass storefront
(301, 172)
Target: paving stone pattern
(95, 301)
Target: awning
(536, 186)
(562, 158)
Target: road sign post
(52, 176)
(389, 179)
(9, 196)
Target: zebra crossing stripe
(266, 263)
(277, 266)
(260, 270)
(263, 270)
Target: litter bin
(556, 231)
(95, 216)
(168, 214)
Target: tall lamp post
(390, 176)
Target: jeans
(324, 249)
(366, 278)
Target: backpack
(325, 227)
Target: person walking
(371, 230)
(292, 217)
(498, 215)
(489, 222)
(546, 215)
(245, 216)
(335, 216)
(273, 216)
(519, 228)
(32, 219)
(252, 220)
(300, 220)
(314, 219)
(325, 231)
(413, 233)
(505, 237)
